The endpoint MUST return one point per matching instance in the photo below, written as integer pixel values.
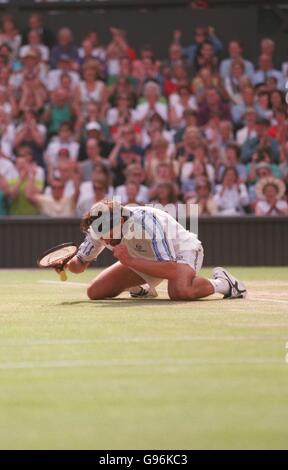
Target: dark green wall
(238, 241)
(154, 24)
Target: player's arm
(165, 265)
(162, 269)
(87, 252)
(76, 266)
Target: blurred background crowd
(80, 122)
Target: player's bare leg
(188, 286)
(113, 281)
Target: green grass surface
(142, 374)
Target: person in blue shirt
(267, 70)
(66, 47)
(202, 35)
(238, 111)
(235, 53)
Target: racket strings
(59, 256)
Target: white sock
(221, 286)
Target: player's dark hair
(88, 219)
(85, 222)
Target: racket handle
(63, 276)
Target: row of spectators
(81, 122)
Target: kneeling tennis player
(150, 246)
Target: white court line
(66, 283)
(260, 299)
(147, 339)
(135, 363)
(267, 283)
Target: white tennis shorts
(193, 258)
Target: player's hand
(61, 272)
(59, 268)
(122, 254)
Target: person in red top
(280, 130)
(119, 43)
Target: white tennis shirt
(149, 233)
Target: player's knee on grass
(93, 293)
(90, 293)
(182, 288)
(96, 292)
(182, 293)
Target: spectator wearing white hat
(270, 192)
(32, 72)
(93, 126)
(94, 130)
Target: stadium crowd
(80, 122)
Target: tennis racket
(57, 257)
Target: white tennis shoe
(143, 292)
(237, 289)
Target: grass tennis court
(133, 374)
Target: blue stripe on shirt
(164, 239)
(153, 234)
(154, 243)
